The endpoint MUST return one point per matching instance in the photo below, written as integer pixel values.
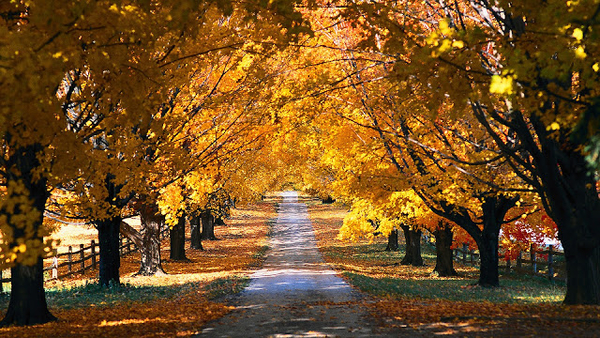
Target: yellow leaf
(578, 34)
(580, 52)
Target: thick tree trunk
(208, 226)
(27, 297)
(413, 247)
(583, 276)
(574, 206)
(27, 304)
(392, 241)
(151, 220)
(328, 200)
(196, 238)
(177, 235)
(444, 263)
(494, 209)
(110, 259)
(488, 258)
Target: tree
(177, 236)
(529, 77)
(453, 166)
(122, 58)
(444, 263)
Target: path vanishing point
(295, 294)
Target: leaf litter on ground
(178, 303)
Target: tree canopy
(484, 115)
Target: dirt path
(295, 294)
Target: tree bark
(108, 235)
(177, 236)
(487, 244)
(27, 304)
(147, 240)
(208, 226)
(573, 205)
(583, 274)
(328, 200)
(413, 247)
(151, 220)
(444, 263)
(110, 258)
(392, 241)
(196, 238)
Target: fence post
(519, 259)
(93, 255)
(1, 284)
(533, 262)
(82, 257)
(550, 262)
(55, 267)
(70, 257)
(465, 249)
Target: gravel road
(296, 294)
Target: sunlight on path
(295, 294)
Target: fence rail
(546, 263)
(73, 262)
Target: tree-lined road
(295, 294)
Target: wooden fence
(87, 257)
(548, 263)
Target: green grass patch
(260, 254)
(226, 286)
(92, 294)
(521, 290)
(418, 282)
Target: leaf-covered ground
(404, 296)
(174, 305)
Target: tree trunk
(583, 276)
(108, 243)
(488, 257)
(177, 235)
(208, 226)
(328, 200)
(196, 238)
(444, 263)
(27, 304)
(574, 205)
(151, 220)
(413, 247)
(392, 241)
(27, 297)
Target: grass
(378, 272)
(372, 269)
(512, 291)
(92, 294)
(226, 286)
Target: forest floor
(176, 304)
(395, 298)
(413, 297)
